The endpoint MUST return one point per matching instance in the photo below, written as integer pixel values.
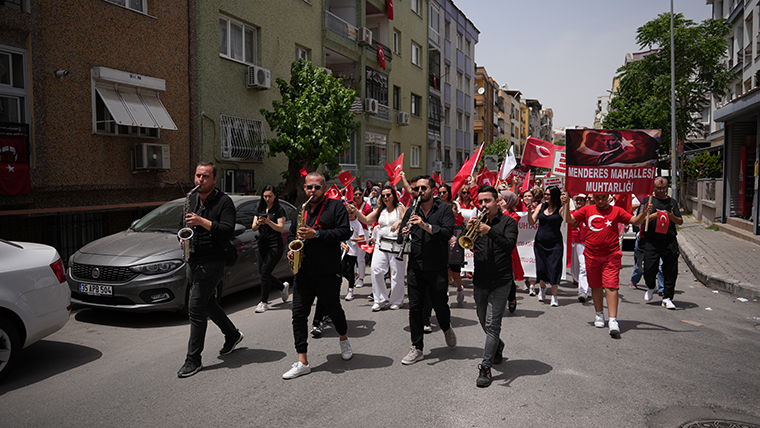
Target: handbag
(389, 245)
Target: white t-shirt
(358, 232)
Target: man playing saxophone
(324, 226)
(494, 237)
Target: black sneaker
(484, 378)
(190, 368)
(230, 343)
(316, 331)
(499, 357)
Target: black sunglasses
(420, 188)
(387, 195)
(313, 187)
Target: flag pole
(646, 225)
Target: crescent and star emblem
(542, 151)
(591, 221)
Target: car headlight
(156, 268)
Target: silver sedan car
(141, 268)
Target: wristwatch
(316, 233)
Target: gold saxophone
(185, 234)
(467, 240)
(296, 246)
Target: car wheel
(10, 347)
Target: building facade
(486, 110)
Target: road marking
(692, 323)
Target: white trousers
(380, 263)
(361, 267)
(578, 267)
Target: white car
(35, 300)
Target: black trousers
(348, 264)
(667, 250)
(326, 288)
(269, 254)
(420, 283)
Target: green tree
(312, 122)
(642, 100)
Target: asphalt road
(667, 368)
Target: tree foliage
(705, 165)
(642, 100)
(312, 122)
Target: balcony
(341, 27)
(435, 81)
(386, 50)
(383, 112)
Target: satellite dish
(481, 90)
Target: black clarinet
(407, 238)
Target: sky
(564, 53)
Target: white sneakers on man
(614, 328)
(599, 320)
(555, 301)
(345, 350)
(649, 294)
(262, 307)
(285, 291)
(668, 303)
(298, 369)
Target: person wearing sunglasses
(387, 215)
(325, 227)
(431, 227)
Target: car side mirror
(239, 229)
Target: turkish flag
(349, 192)
(381, 56)
(13, 149)
(303, 173)
(333, 192)
(15, 179)
(394, 169)
(539, 153)
(625, 202)
(487, 177)
(389, 4)
(526, 183)
(345, 178)
(663, 222)
(404, 197)
(438, 179)
(467, 170)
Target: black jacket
(431, 252)
(208, 245)
(321, 256)
(493, 253)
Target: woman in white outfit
(388, 216)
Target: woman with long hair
(270, 221)
(549, 244)
(507, 203)
(388, 215)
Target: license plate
(96, 290)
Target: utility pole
(673, 135)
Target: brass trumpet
(467, 240)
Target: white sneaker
(376, 307)
(599, 321)
(359, 284)
(298, 369)
(345, 350)
(285, 291)
(349, 296)
(668, 303)
(262, 307)
(555, 302)
(649, 294)
(460, 296)
(532, 291)
(614, 328)
(412, 357)
(395, 307)
(541, 294)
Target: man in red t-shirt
(602, 253)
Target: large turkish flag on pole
(467, 170)
(539, 153)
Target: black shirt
(208, 244)
(321, 256)
(493, 253)
(662, 205)
(431, 252)
(266, 233)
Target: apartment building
(486, 127)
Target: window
(242, 138)
(459, 81)
(416, 105)
(414, 160)
(433, 20)
(467, 124)
(396, 98)
(396, 150)
(460, 159)
(416, 54)
(237, 41)
(467, 85)
(459, 121)
(417, 7)
(459, 41)
(303, 53)
(375, 146)
(446, 119)
(446, 71)
(128, 104)
(467, 48)
(396, 42)
(349, 156)
(13, 85)
(447, 159)
(377, 86)
(447, 30)
(138, 5)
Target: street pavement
(720, 260)
(666, 368)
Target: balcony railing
(386, 50)
(435, 81)
(340, 27)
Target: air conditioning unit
(151, 156)
(438, 165)
(365, 36)
(258, 77)
(403, 118)
(370, 105)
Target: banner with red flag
(466, 171)
(394, 169)
(333, 192)
(539, 153)
(14, 165)
(345, 178)
(663, 222)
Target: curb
(733, 286)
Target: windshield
(166, 218)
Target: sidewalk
(719, 260)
